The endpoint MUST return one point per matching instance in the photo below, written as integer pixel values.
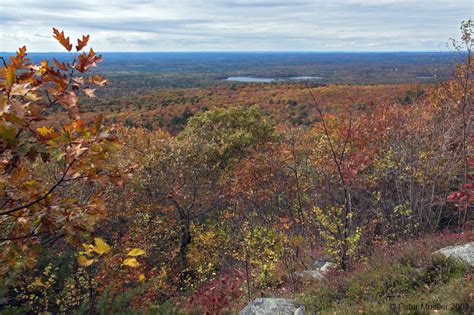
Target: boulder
(272, 306)
(318, 269)
(464, 252)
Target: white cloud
(155, 25)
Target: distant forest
(131, 72)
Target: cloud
(155, 25)
(264, 4)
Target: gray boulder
(464, 252)
(272, 306)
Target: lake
(250, 79)
(306, 78)
(269, 80)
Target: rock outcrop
(318, 269)
(464, 252)
(272, 306)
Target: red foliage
(217, 295)
(464, 197)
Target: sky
(235, 25)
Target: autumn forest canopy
(154, 185)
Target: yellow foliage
(136, 252)
(38, 282)
(101, 247)
(45, 131)
(83, 261)
(131, 262)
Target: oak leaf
(68, 99)
(62, 39)
(82, 43)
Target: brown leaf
(88, 61)
(82, 43)
(17, 61)
(61, 66)
(68, 99)
(62, 39)
(20, 109)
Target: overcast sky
(236, 25)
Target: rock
(318, 263)
(318, 269)
(464, 252)
(272, 306)
(326, 267)
(300, 311)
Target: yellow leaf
(11, 75)
(45, 131)
(141, 277)
(101, 247)
(88, 249)
(44, 67)
(31, 182)
(39, 283)
(136, 252)
(83, 261)
(131, 262)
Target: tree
(51, 170)
(465, 196)
(183, 177)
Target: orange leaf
(21, 53)
(82, 43)
(62, 39)
(98, 80)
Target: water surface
(250, 79)
(306, 78)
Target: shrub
(410, 271)
(217, 295)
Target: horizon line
(241, 51)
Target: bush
(385, 279)
(217, 295)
